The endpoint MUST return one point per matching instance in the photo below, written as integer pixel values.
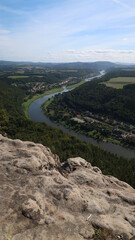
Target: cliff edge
(43, 199)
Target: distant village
(118, 130)
(40, 87)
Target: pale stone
(42, 199)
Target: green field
(29, 101)
(75, 85)
(119, 82)
(47, 103)
(20, 72)
(15, 77)
(129, 69)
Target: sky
(67, 30)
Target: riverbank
(36, 114)
(79, 126)
(75, 85)
(51, 91)
(35, 97)
(46, 104)
(27, 104)
(69, 87)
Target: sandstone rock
(73, 163)
(44, 200)
(32, 210)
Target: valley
(67, 120)
(15, 121)
(97, 111)
(38, 112)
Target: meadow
(119, 82)
(27, 103)
(72, 86)
(16, 77)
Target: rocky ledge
(43, 199)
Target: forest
(94, 96)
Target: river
(37, 115)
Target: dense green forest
(14, 123)
(94, 96)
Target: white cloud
(87, 29)
(102, 55)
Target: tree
(4, 118)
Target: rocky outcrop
(42, 199)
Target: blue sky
(67, 30)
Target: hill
(73, 65)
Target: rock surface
(42, 199)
